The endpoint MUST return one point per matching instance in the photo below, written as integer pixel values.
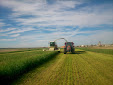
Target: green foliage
(15, 64)
(106, 51)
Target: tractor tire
(73, 51)
(65, 51)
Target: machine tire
(73, 51)
(65, 51)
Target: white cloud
(7, 39)
(45, 14)
(40, 40)
(56, 16)
(2, 24)
(13, 32)
(104, 36)
(21, 30)
(15, 35)
(43, 39)
(6, 30)
(3, 34)
(59, 14)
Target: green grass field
(106, 51)
(82, 68)
(14, 64)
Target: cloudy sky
(33, 23)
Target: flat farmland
(81, 68)
(16, 63)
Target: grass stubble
(81, 68)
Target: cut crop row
(14, 65)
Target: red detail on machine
(68, 48)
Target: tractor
(69, 47)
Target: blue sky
(33, 23)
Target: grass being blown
(13, 64)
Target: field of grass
(101, 47)
(13, 50)
(82, 68)
(106, 51)
(14, 64)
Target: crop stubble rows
(87, 68)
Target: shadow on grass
(9, 80)
(80, 52)
(76, 52)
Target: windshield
(52, 43)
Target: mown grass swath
(14, 64)
(81, 68)
(22, 50)
(106, 51)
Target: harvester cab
(69, 47)
(53, 46)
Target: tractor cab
(69, 43)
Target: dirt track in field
(82, 68)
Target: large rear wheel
(73, 51)
(65, 51)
